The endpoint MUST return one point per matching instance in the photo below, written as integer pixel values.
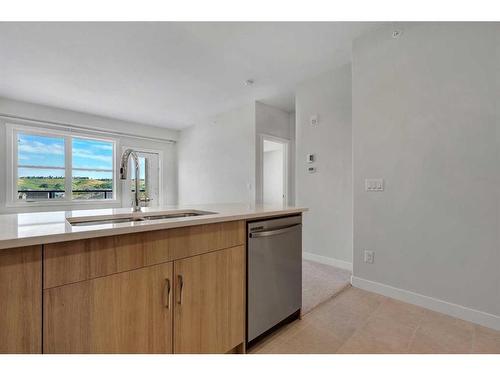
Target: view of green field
(41, 168)
(57, 183)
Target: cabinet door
(128, 312)
(209, 313)
(21, 300)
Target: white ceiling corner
(166, 73)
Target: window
(92, 167)
(40, 167)
(56, 166)
(142, 181)
(150, 162)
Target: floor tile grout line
(345, 288)
(473, 341)
(279, 337)
(282, 331)
(305, 316)
(356, 325)
(361, 326)
(412, 338)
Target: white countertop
(37, 228)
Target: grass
(57, 183)
(83, 187)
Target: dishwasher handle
(267, 233)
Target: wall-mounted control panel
(374, 184)
(314, 120)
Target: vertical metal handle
(167, 293)
(180, 283)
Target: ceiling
(167, 73)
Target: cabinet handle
(266, 233)
(167, 293)
(180, 283)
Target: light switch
(311, 169)
(310, 158)
(374, 184)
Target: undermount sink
(130, 219)
(174, 215)
(106, 221)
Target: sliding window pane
(39, 150)
(142, 181)
(92, 185)
(92, 154)
(40, 184)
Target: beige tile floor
(320, 282)
(356, 321)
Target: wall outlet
(374, 184)
(369, 256)
(314, 120)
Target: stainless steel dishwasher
(274, 273)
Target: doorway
(274, 170)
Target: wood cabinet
(129, 312)
(73, 261)
(21, 300)
(178, 290)
(69, 262)
(198, 308)
(210, 302)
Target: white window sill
(63, 203)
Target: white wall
(426, 119)
(273, 177)
(50, 114)
(45, 113)
(277, 123)
(217, 159)
(327, 227)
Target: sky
(37, 150)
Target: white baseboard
(327, 260)
(457, 311)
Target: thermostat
(374, 184)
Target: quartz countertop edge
(38, 228)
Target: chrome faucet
(123, 174)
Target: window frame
(126, 187)
(13, 165)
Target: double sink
(86, 221)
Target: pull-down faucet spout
(124, 172)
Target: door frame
(286, 164)
(160, 170)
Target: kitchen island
(163, 280)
